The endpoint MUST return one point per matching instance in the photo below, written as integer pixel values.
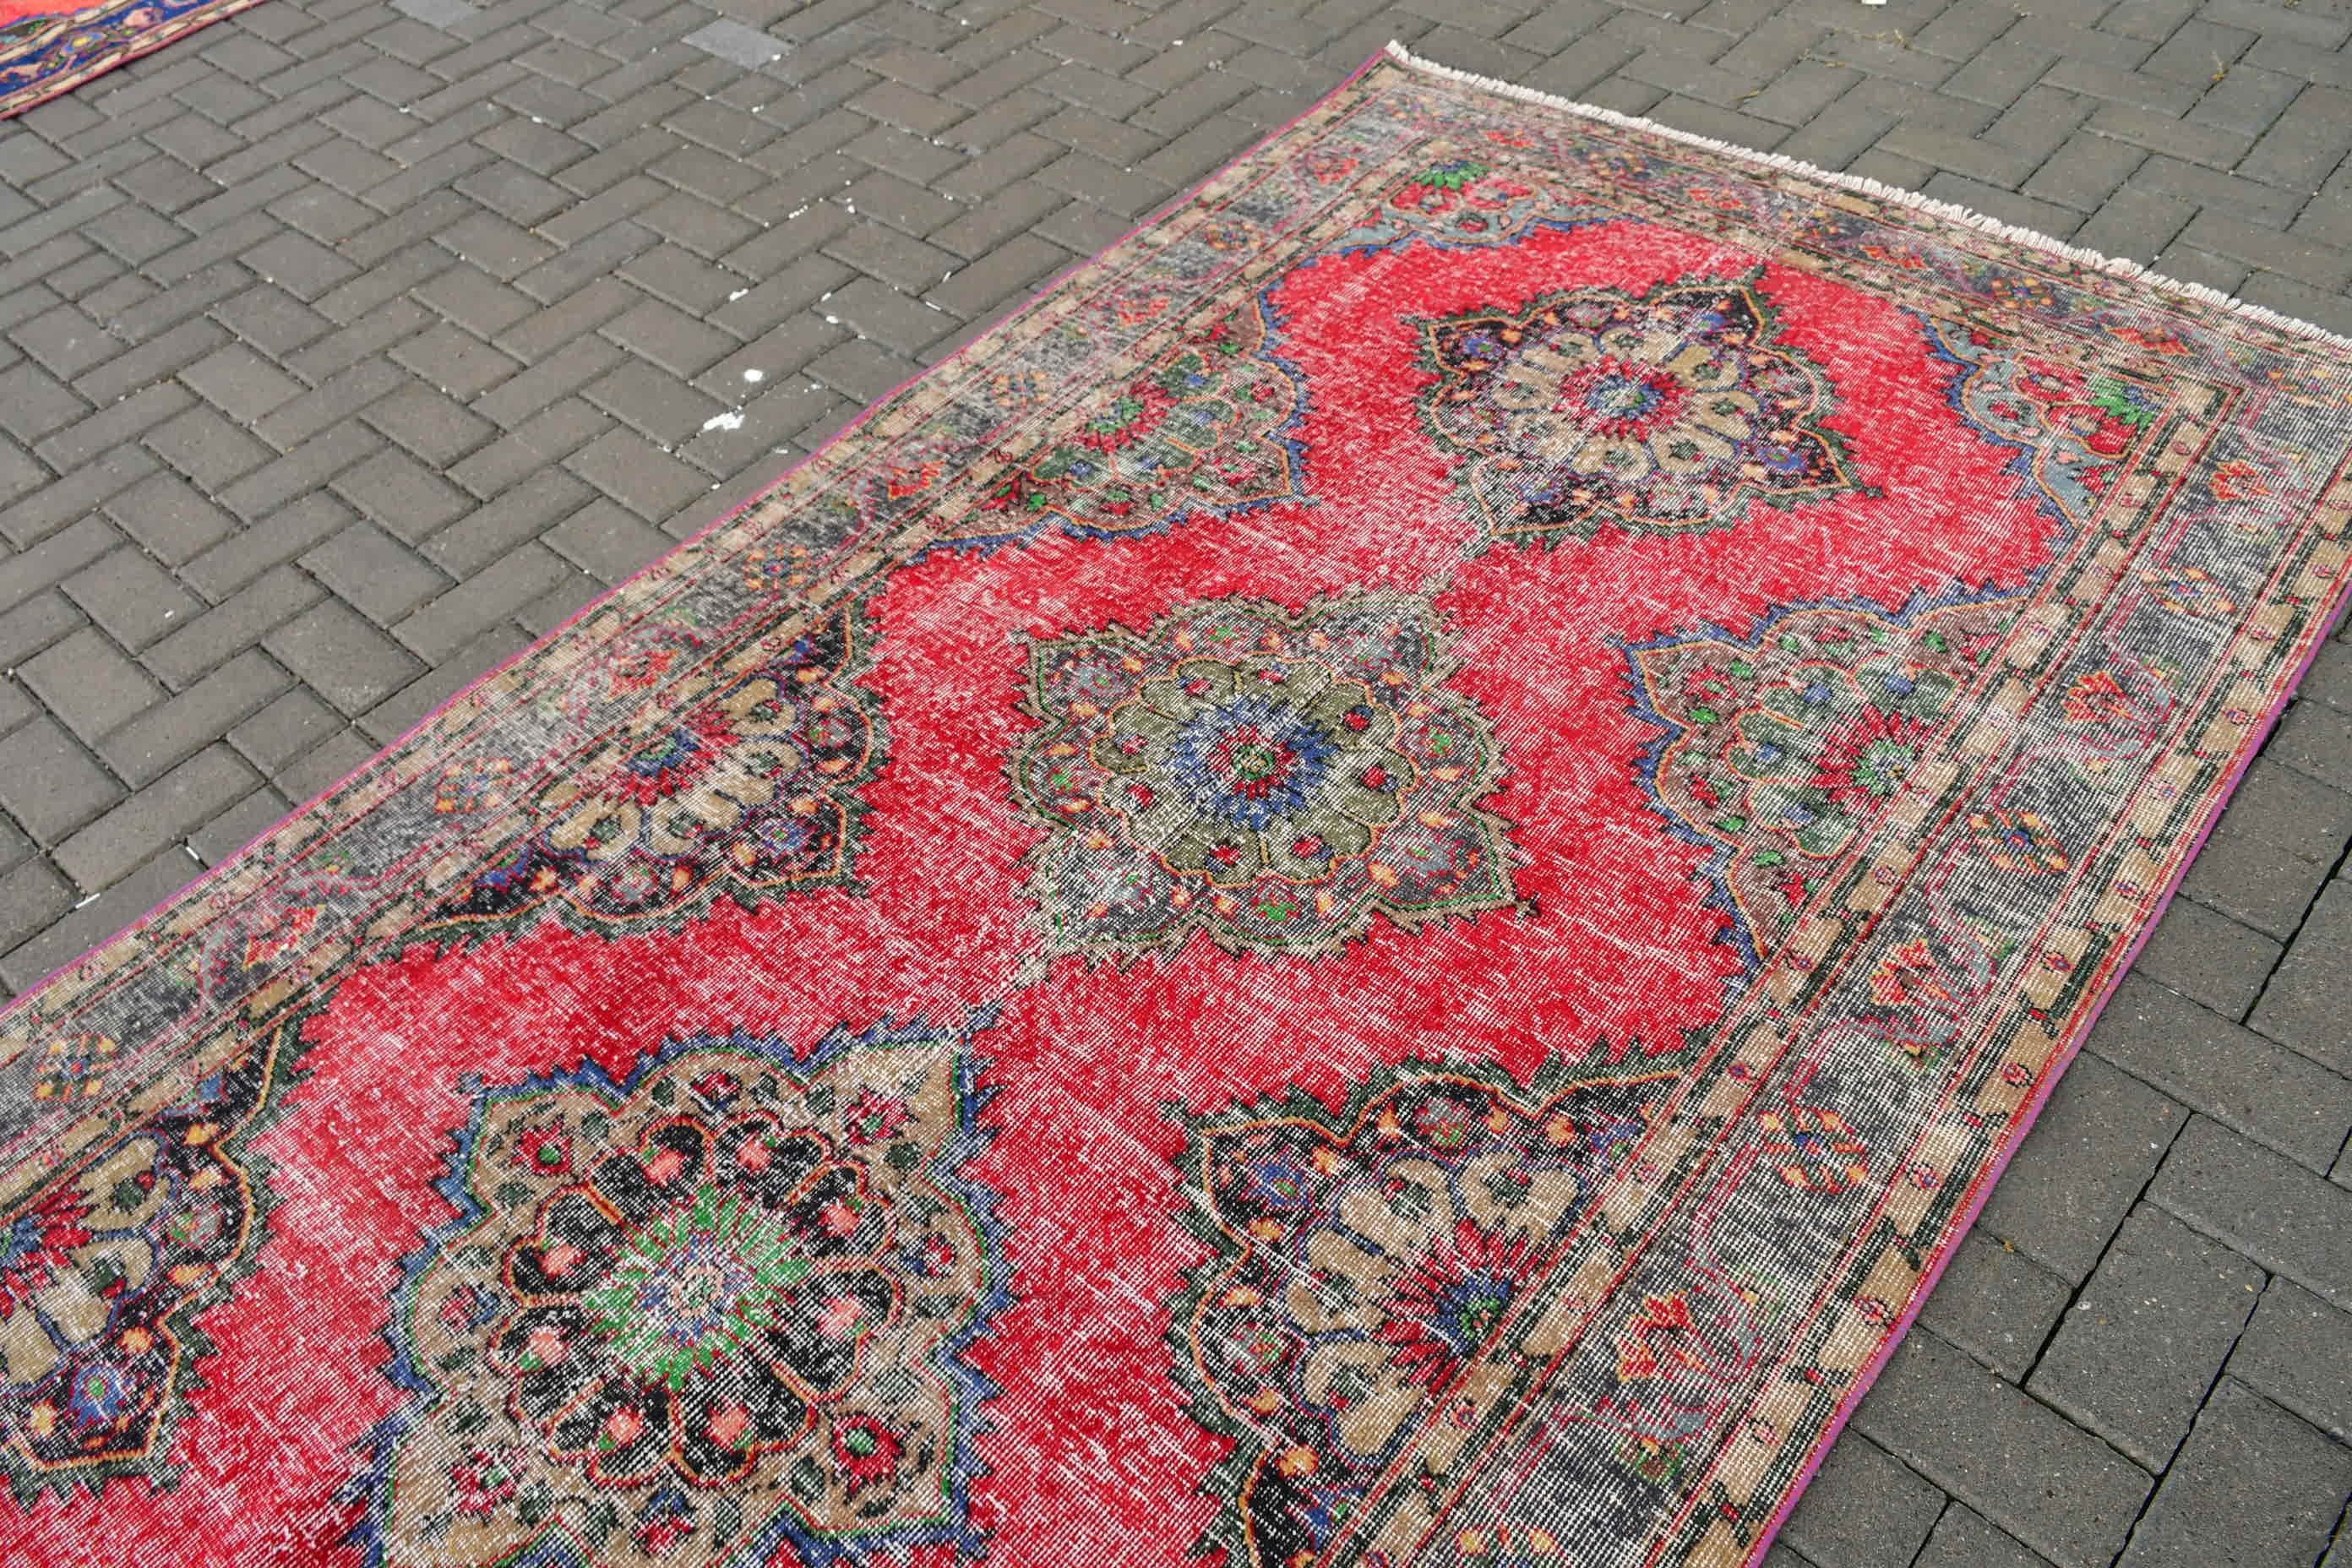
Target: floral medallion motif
(103, 1274)
(721, 1305)
(1366, 1270)
(1271, 778)
(2074, 429)
(741, 780)
(1205, 430)
(1671, 410)
(1778, 749)
(1464, 201)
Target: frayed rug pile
(1377, 889)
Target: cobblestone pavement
(348, 345)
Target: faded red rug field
(1378, 889)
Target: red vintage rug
(46, 48)
(1377, 889)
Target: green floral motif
(693, 1286)
(737, 1286)
(1271, 778)
(1781, 751)
(1270, 764)
(1205, 431)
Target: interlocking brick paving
(349, 346)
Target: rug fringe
(2120, 265)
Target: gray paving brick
(1863, 1509)
(2297, 1352)
(56, 557)
(430, 424)
(33, 896)
(2306, 142)
(2210, 958)
(606, 542)
(454, 361)
(48, 782)
(862, 367)
(232, 829)
(580, 265)
(670, 338)
(653, 402)
(2158, 133)
(2098, 1140)
(2308, 1002)
(370, 569)
(87, 682)
(273, 541)
(157, 817)
(677, 276)
(474, 300)
(1964, 1539)
(90, 923)
(29, 629)
(637, 474)
(270, 320)
(317, 214)
(326, 764)
(2329, 678)
(2133, 1358)
(740, 45)
(132, 598)
(2283, 1217)
(405, 708)
(163, 736)
(240, 382)
(2058, 1489)
(1009, 273)
(231, 626)
(335, 399)
(1997, 1304)
(300, 265)
(19, 471)
(2246, 100)
(65, 342)
(114, 427)
(336, 652)
(2316, 740)
(2255, 1485)
(2211, 1065)
(537, 443)
(169, 517)
(519, 514)
(2266, 876)
(33, 403)
(400, 494)
(481, 600)
(285, 728)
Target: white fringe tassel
(2120, 265)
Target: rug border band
(2122, 267)
(2016, 233)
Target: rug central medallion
(1271, 778)
(722, 1304)
(1668, 410)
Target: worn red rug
(50, 46)
(1379, 888)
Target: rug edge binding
(2117, 265)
